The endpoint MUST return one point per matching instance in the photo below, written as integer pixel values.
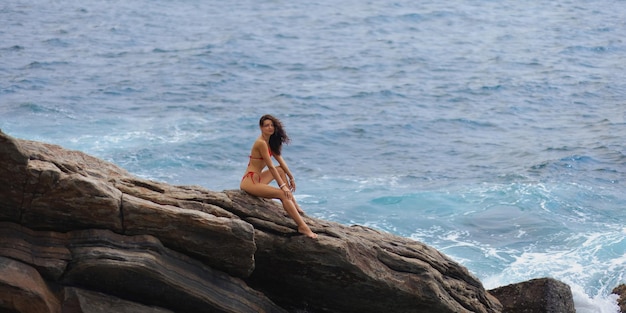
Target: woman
(256, 181)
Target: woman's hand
(292, 185)
(287, 192)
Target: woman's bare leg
(266, 191)
(295, 203)
(266, 178)
(303, 228)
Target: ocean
(490, 130)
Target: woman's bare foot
(307, 232)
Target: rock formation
(538, 295)
(78, 234)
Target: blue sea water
(490, 130)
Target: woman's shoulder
(260, 144)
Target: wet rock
(544, 295)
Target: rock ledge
(78, 234)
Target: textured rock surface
(77, 300)
(68, 219)
(137, 268)
(73, 221)
(23, 290)
(354, 269)
(545, 295)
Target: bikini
(251, 174)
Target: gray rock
(544, 295)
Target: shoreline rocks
(77, 233)
(536, 295)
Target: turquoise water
(491, 130)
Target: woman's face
(267, 127)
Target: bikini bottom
(251, 175)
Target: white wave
(597, 304)
(591, 269)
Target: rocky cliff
(78, 234)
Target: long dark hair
(278, 137)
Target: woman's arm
(263, 148)
(283, 165)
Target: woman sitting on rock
(256, 181)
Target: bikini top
(261, 158)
